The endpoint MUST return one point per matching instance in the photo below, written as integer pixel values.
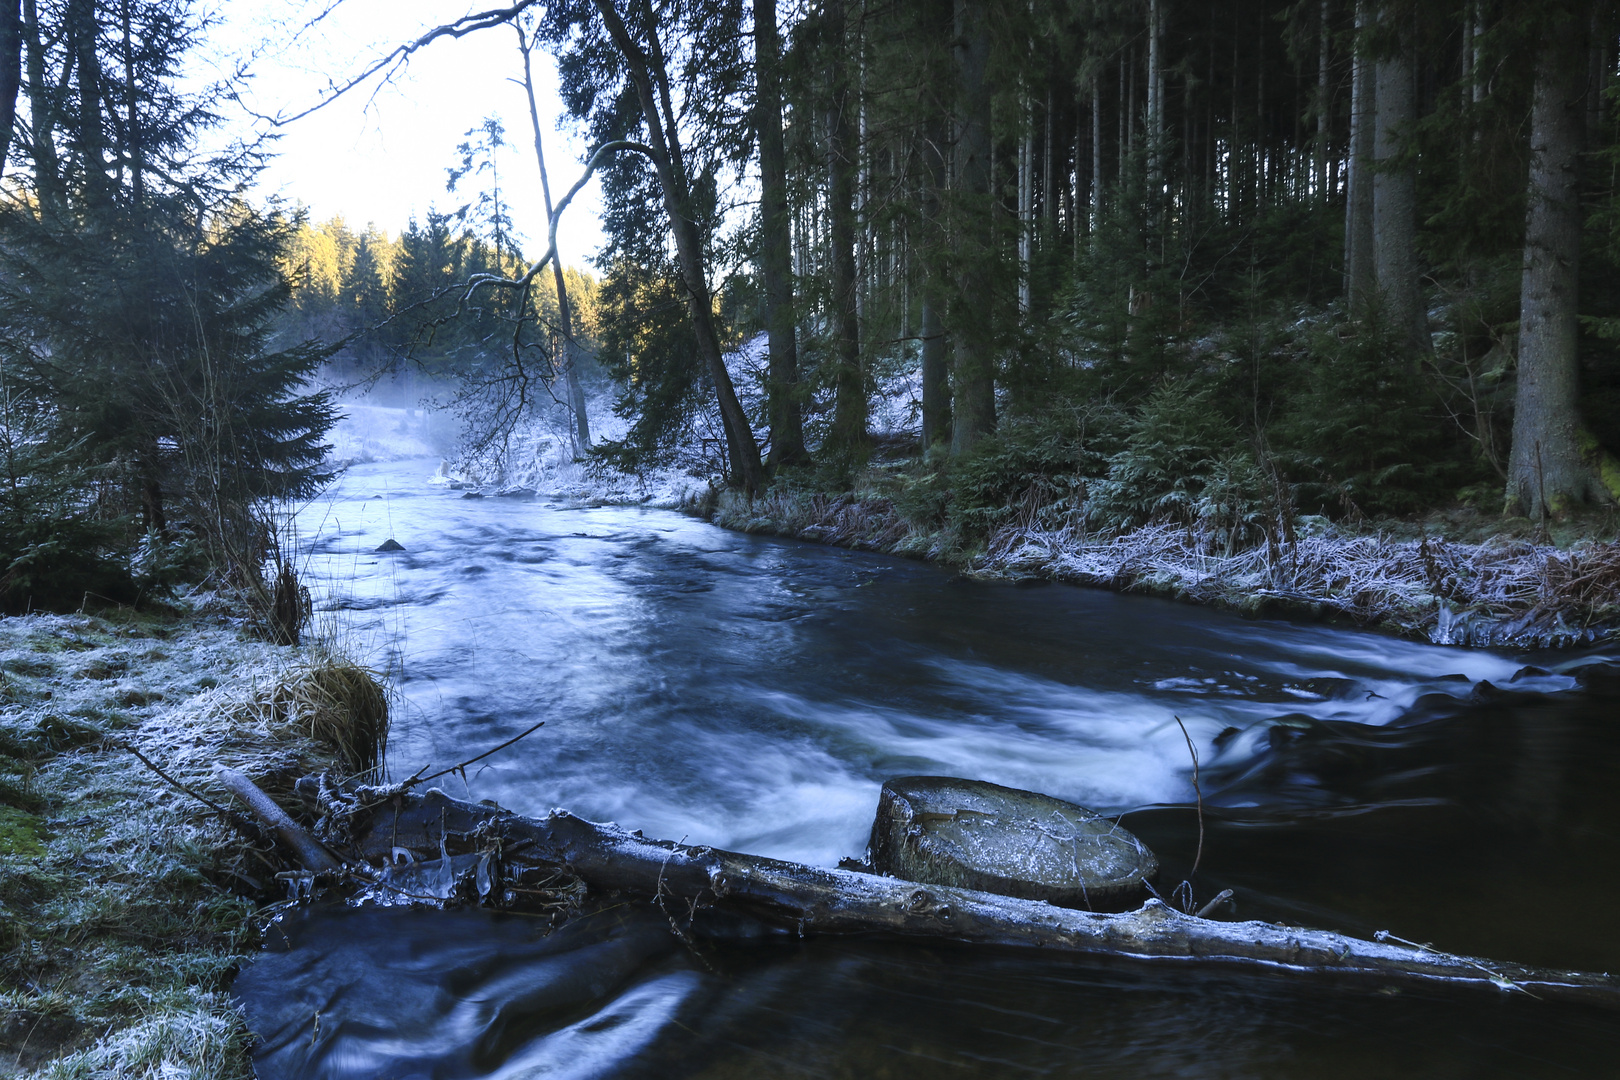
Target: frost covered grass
(125, 904)
(1499, 591)
(1511, 592)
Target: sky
(380, 152)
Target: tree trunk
(783, 406)
(89, 134)
(134, 149)
(11, 43)
(1360, 274)
(1546, 475)
(651, 80)
(1096, 154)
(1323, 103)
(1395, 201)
(848, 434)
(565, 308)
(1026, 197)
(975, 394)
(1155, 103)
(486, 845)
(153, 518)
(42, 112)
(936, 384)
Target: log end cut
(938, 830)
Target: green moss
(1605, 464)
(19, 833)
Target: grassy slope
(124, 906)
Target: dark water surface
(752, 694)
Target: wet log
(806, 899)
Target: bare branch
(461, 27)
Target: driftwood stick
(312, 855)
(810, 899)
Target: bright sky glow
(379, 153)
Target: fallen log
(485, 847)
(312, 855)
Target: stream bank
(1501, 591)
(125, 905)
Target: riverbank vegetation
(126, 903)
(154, 425)
(151, 420)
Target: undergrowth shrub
(1035, 469)
(1176, 441)
(55, 548)
(1360, 437)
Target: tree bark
(565, 308)
(42, 112)
(1026, 197)
(11, 43)
(806, 899)
(1155, 103)
(1323, 102)
(1395, 200)
(651, 80)
(1546, 474)
(88, 136)
(785, 410)
(1096, 154)
(1360, 275)
(848, 434)
(974, 412)
(936, 383)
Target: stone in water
(938, 830)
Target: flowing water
(752, 694)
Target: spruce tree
(138, 294)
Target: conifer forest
(1220, 264)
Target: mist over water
(751, 693)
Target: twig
(1193, 750)
(229, 814)
(1220, 898)
(419, 779)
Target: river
(752, 693)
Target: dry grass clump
(340, 705)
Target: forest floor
(1456, 577)
(126, 905)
